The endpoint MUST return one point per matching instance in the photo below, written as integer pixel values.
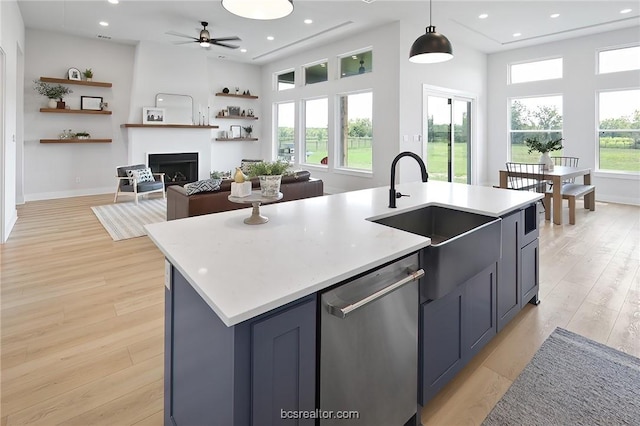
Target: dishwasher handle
(344, 312)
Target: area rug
(126, 220)
(572, 380)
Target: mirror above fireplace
(178, 108)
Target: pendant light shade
(431, 47)
(259, 9)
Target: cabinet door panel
(508, 296)
(441, 344)
(283, 361)
(479, 311)
(530, 278)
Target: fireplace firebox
(179, 168)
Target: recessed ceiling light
(243, 50)
(114, 1)
(483, 16)
(308, 21)
(625, 11)
(517, 34)
(270, 38)
(554, 15)
(104, 23)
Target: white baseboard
(10, 224)
(67, 194)
(617, 200)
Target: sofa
(180, 205)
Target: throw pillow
(202, 186)
(140, 175)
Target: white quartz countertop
(242, 271)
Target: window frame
(364, 50)
(612, 48)
(338, 137)
(276, 82)
(529, 61)
(313, 64)
(600, 170)
(276, 139)
(510, 130)
(302, 157)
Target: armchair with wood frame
(137, 186)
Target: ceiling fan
(205, 40)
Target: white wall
(383, 80)
(578, 88)
(466, 72)
(12, 42)
(63, 170)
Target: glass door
(448, 137)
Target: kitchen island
(235, 291)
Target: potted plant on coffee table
(270, 175)
(543, 148)
(55, 92)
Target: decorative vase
(270, 185)
(60, 105)
(546, 161)
(53, 103)
(89, 78)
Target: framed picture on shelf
(91, 103)
(234, 110)
(153, 115)
(236, 132)
(74, 74)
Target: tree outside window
(539, 117)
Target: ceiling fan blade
(224, 45)
(183, 42)
(173, 33)
(226, 38)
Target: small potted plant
(88, 74)
(543, 148)
(55, 92)
(248, 130)
(270, 175)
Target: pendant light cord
(430, 12)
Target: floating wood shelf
(74, 111)
(236, 117)
(77, 82)
(237, 139)
(233, 95)
(167, 126)
(75, 140)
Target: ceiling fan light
(259, 9)
(431, 48)
(205, 44)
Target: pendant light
(431, 47)
(259, 9)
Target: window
(535, 71)
(315, 73)
(316, 131)
(356, 131)
(539, 117)
(619, 130)
(358, 63)
(286, 80)
(286, 119)
(616, 60)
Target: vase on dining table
(546, 161)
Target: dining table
(557, 176)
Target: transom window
(316, 73)
(616, 60)
(286, 80)
(356, 64)
(547, 69)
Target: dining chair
(535, 182)
(566, 161)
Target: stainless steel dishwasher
(369, 347)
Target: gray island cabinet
(242, 332)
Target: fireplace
(179, 168)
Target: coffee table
(255, 199)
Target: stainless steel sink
(462, 245)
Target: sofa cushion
(298, 176)
(205, 185)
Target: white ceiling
(133, 21)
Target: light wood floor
(82, 316)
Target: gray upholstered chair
(129, 186)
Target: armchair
(136, 186)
